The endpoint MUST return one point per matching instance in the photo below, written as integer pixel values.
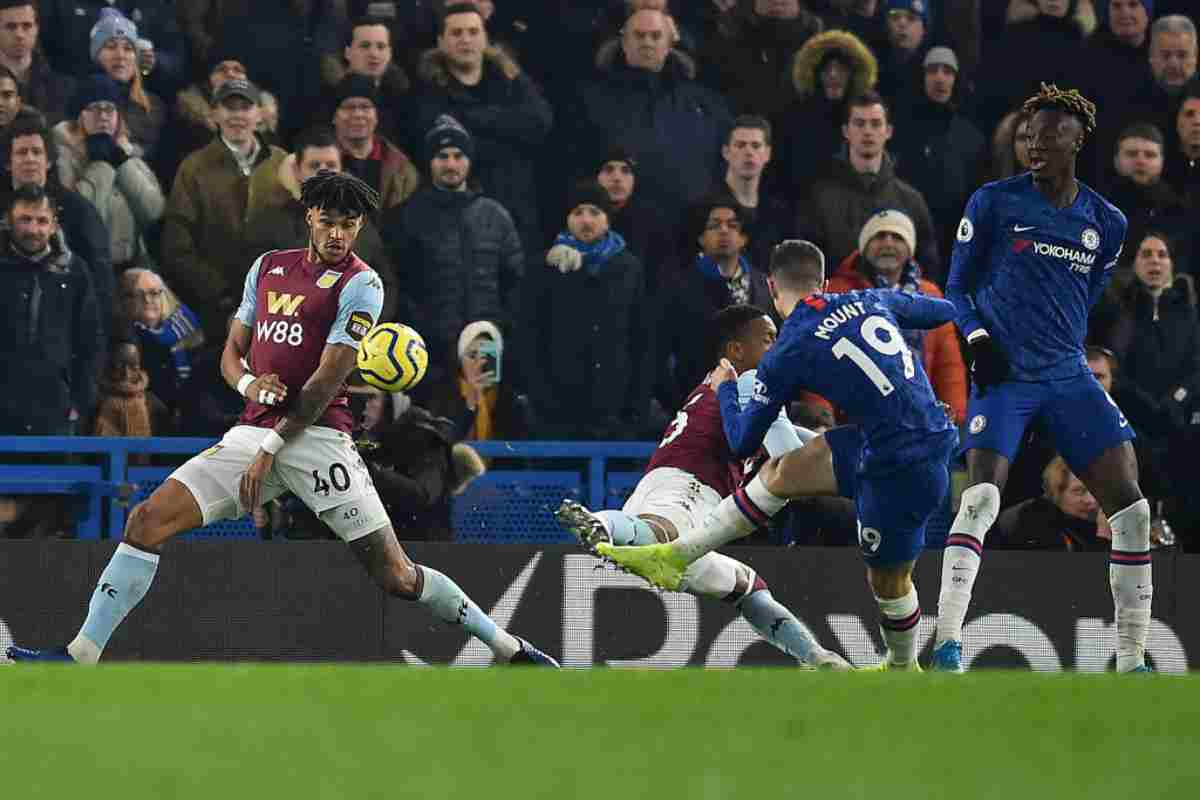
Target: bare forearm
(231, 366)
(314, 398)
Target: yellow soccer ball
(392, 357)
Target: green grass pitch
(228, 732)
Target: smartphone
(490, 354)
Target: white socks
(1131, 579)
(898, 624)
(960, 560)
(738, 515)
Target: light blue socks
(122, 586)
(625, 529)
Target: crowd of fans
(570, 191)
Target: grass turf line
(258, 731)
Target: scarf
(597, 254)
(484, 411)
(171, 334)
(123, 408)
(739, 286)
(910, 283)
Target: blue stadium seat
(515, 507)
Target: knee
(144, 527)
(890, 583)
(401, 580)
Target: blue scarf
(596, 254)
(173, 330)
(741, 287)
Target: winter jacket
(1038, 524)
(591, 365)
(510, 417)
(1155, 207)
(673, 124)
(835, 209)
(692, 296)
(54, 340)
(509, 121)
(648, 237)
(398, 178)
(459, 259)
(204, 255)
(940, 353)
(127, 198)
(751, 59)
(1159, 358)
(66, 27)
(46, 90)
(283, 227)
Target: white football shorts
(674, 495)
(320, 466)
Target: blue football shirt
(848, 348)
(1029, 273)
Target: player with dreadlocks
(1032, 256)
(302, 315)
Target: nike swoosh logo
(1023, 228)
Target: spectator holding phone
(477, 399)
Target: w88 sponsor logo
(280, 331)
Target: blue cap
(918, 7)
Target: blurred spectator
(645, 99)
(938, 150)
(192, 124)
(645, 233)
(417, 465)
(125, 404)
(457, 252)
(750, 59)
(1040, 43)
(97, 159)
(41, 87)
(367, 51)
(277, 218)
(12, 107)
(485, 89)
(863, 180)
(768, 216)
(366, 153)
(477, 398)
(866, 19)
(1182, 169)
(51, 321)
(167, 331)
(113, 48)
(831, 68)
(1115, 58)
(587, 317)
(1010, 146)
(884, 260)
(718, 276)
(1139, 190)
(204, 253)
(207, 405)
(30, 148)
(902, 54)
(1066, 517)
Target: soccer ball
(392, 357)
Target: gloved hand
(103, 147)
(565, 258)
(989, 365)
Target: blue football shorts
(1081, 418)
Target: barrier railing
(110, 480)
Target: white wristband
(978, 333)
(271, 443)
(244, 382)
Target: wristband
(244, 382)
(272, 442)
(977, 334)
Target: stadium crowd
(570, 191)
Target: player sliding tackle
(689, 473)
(287, 440)
(893, 460)
(1033, 255)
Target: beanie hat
(354, 86)
(474, 330)
(448, 132)
(918, 7)
(941, 55)
(892, 220)
(591, 193)
(95, 89)
(621, 155)
(1104, 5)
(111, 25)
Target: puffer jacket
(459, 257)
(940, 353)
(50, 323)
(509, 121)
(673, 124)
